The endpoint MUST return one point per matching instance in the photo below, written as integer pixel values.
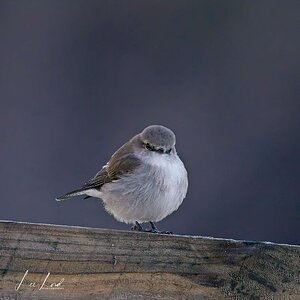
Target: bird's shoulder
(122, 162)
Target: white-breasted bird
(144, 181)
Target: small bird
(144, 181)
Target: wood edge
(116, 231)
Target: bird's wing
(98, 180)
(123, 162)
(112, 171)
(122, 166)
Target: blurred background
(79, 78)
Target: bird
(143, 182)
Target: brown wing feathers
(122, 162)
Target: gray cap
(158, 136)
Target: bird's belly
(149, 195)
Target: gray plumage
(144, 180)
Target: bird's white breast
(171, 170)
(150, 193)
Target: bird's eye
(148, 146)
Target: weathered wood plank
(110, 264)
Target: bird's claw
(138, 227)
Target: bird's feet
(155, 230)
(138, 227)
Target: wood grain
(110, 264)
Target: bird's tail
(70, 194)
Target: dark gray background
(79, 78)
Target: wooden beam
(89, 263)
